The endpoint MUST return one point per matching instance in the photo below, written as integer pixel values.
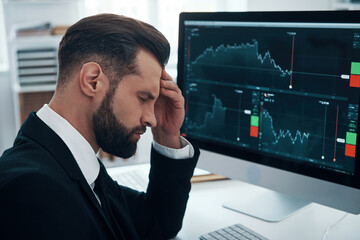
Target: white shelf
(20, 14)
(35, 40)
(34, 88)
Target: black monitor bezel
(247, 154)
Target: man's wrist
(170, 141)
(186, 150)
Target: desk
(205, 214)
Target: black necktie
(98, 189)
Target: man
(111, 86)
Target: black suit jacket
(43, 194)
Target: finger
(166, 76)
(170, 85)
(175, 96)
(168, 92)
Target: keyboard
(234, 232)
(134, 176)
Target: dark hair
(112, 41)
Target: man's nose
(149, 119)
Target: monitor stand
(265, 204)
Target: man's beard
(111, 134)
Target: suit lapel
(39, 132)
(123, 224)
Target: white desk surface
(205, 214)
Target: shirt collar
(80, 148)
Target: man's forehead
(146, 79)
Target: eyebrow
(147, 94)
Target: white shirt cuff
(186, 150)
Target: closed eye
(145, 96)
(142, 100)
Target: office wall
(7, 120)
(6, 104)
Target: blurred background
(30, 31)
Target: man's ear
(91, 78)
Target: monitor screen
(279, 89)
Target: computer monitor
(272, 98)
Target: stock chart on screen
(285, 89)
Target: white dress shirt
(83, 152)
